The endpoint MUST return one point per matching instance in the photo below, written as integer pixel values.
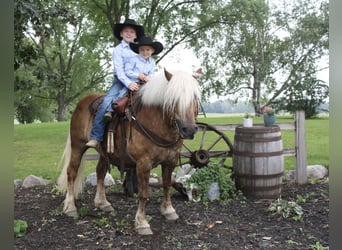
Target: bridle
(153, 137)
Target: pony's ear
(197, 74)
(168, 75)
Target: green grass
(38, 147)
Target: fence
(300, 144)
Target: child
(126, 32)
(142, 66)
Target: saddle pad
(93, 107)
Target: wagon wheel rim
(200, 155)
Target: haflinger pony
(164, 113)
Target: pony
(164, 112)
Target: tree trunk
(61, 107)
(61, 112)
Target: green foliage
(264, 42)
(286, 209)
(20, 227)
(248, 115)
(57, 211)
(271, 47)
(67, 62)
(318, 246)
(83, 211)
(101, 222)
(122, 222)
(205, 176)
(293, 242)
(303, 198)
(270, 111)
(306, 95)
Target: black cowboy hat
(139, 29)
(145, 40)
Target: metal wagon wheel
(209, 145)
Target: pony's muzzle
(188, 132)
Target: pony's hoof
(107, 208)
(171, 216)
(72, 213)
(144, 231)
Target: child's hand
(133, 86)
(144, 77)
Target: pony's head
(178, 95)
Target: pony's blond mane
(179, 93)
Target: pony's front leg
(100, 200)
(167, 209)
(143, 173)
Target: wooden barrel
(258, 161)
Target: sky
(180, 58)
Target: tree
(172, 21)
(307, 95)
(247, 47)
(67, 61)
(259, 51)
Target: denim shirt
(121, 53)
(137, 65)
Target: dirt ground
(240, 224)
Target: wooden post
(300, 139)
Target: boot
(107, 117)
(92, 143)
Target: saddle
(120, 105)
(122, 112)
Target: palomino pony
(164, 112)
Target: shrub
(205, 176)
(20, 227)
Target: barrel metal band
(259, 176)
(253, 139)
(267, 188)
(257, 130)
(254, 154)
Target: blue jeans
(117, 90)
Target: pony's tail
(62, 181)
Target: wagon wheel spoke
(209, 145)
(204, 131)
(215, 142)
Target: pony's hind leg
(100, 200)
(167, 209)
(74, 184)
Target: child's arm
(130, 65)
(118, 61)
(133, 70)
(150, 72)
(152, 68)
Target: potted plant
(269, 117)
(248, 120)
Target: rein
(152, 136)
(148, 133)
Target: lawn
(38, 147)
